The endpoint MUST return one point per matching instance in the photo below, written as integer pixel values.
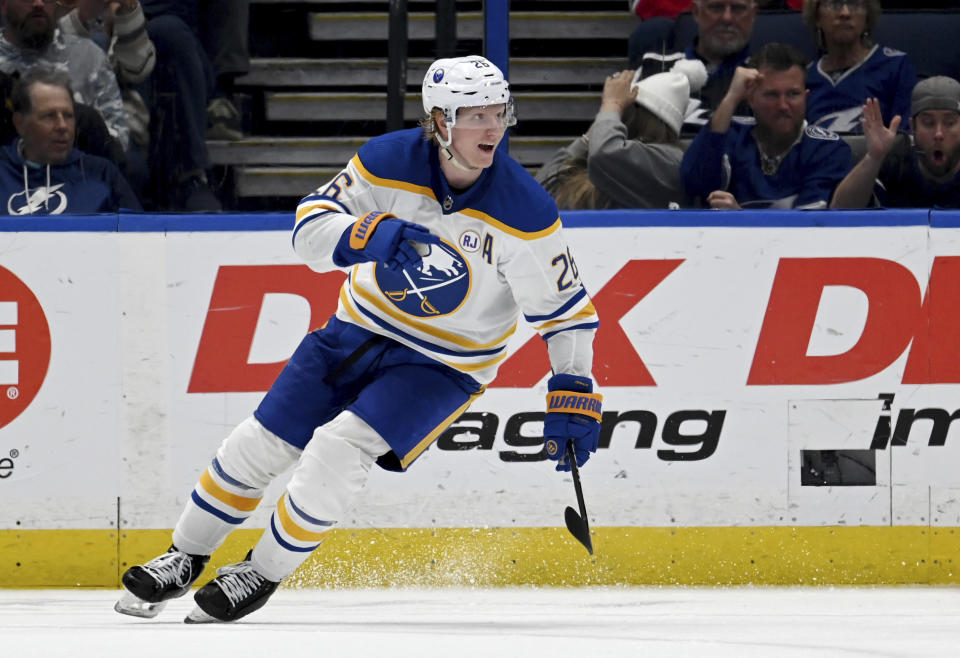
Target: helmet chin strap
(453, 159)
(445, 149)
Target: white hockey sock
(219, 503)
(334, 467)
(288, 540)
(232, 487)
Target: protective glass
(484, 118)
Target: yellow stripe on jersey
(586, 312)
(290, 526)
(425, 328)
(348, 306)
(473, 367)
(388, 182)
(308, 208)
(240, 503)
(432, 436)
(525, 235)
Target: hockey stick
(577, 524)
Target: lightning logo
(39, 199)
(438, 287)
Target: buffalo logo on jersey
(437, 287)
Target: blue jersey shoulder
(403, 155)
(516, 199)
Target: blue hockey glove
(573, 414)
(382, 237)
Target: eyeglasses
(838, 5)
(737, 9)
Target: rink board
(495, 557)
(779, 403)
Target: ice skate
(151, 585)
(238, 590)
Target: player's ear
(441, 123)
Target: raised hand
(745, 80)
(879, 138)
(616, 91)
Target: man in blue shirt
(41, 172)
(776, 161)
(922, 171)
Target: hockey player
(446, 242)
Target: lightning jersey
(503, 254)
(84, 183)
(804, 178)
(837, 104)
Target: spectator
(655, 31)
(41, 172)
(777, 163)
(852, 68)
(170, 102)
(221, 30)
(120, 29)
(182, 86)
(630, 156)
(29, 37)
(922, 172)
(724, 28)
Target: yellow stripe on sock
(240, 503)
(292, 529)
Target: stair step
(280, 181)
(294, 182)
(336, 151)
(307, 72)
(421, 26)
(333, 106)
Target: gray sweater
(630, 173)
(91, 75)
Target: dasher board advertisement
(769, 375)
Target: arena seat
(930, 37)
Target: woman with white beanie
(630, 157)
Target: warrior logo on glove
(573, 414)
(436, 288)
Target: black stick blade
(578, 527)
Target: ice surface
(908, 622)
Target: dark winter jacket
(83, 184)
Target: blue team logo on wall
(438, 75)
(438, 287)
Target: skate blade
(137, 607)
(198, 616)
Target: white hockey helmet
(470, 81)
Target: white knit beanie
(667, 94)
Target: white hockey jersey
(503, 255)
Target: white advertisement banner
(751, 376)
